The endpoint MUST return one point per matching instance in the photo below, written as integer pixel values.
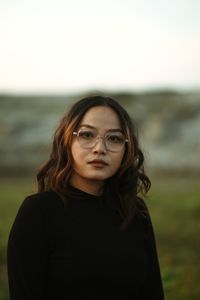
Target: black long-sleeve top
(78, 252)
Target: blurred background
(143, 53)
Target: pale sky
(74, 45)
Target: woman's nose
(99, 145)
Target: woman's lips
(98, 163)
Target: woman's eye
(86, 134)
(115, 139)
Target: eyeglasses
(88, 138)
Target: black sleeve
(27, 252)
(153, 287)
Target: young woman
(86, 233)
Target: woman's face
(91, 167)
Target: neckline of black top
(80, 194)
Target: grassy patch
(175, 209)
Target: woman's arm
(153, 288)
(27, 252)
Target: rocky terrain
(168, 125)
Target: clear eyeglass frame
(97, 137)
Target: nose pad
(99, 145)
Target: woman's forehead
(101, 116)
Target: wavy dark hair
(125, 186)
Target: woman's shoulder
(42, 196)
(141, 207)
(145, 217)
(41, 200)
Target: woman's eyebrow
(87, 125)
(93, 127)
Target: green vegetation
(175, 209)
